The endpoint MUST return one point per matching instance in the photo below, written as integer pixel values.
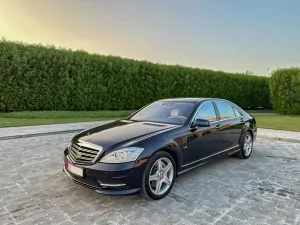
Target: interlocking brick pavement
(265, 189)
(28, 130)
(279, 134)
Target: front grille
(83, 153)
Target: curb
(279, 139)
(38, 134)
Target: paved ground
(264, 189)
(279, 134)
(26, 130)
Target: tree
(285, 91)
(248, 72)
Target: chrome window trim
(226, 103)
(236, 117)
(232, 105)
(210, 156)
(234, 108)
(200, 107)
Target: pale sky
(228, 35)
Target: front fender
(162, 144)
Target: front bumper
(109, 179)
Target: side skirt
(227, 152)
(191, 168)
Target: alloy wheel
(161, 176)
(248, 144)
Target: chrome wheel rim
(161, 176)
(248, 145)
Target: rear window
(236, 112)
(207, 111)
(225, 110)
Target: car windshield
(165, 112)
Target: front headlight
(122, 155)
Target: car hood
(119, 132)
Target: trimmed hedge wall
(285, 91)
(34, 77)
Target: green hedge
(34, 77)
(285, 91)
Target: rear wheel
(246, 146)
(159, 176)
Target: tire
(246, 146)
(149, 188)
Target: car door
(238, 122)
(230, 128)
(202, 142)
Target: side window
(237, 113)
(225, 110)
(207, 111)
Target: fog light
(110, 185)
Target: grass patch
(278, 122)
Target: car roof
(189, 99)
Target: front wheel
(159, 176)
(246, 146)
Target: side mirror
(202, 123)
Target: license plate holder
(74, 169)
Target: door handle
(218, 126)
(242, 120)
